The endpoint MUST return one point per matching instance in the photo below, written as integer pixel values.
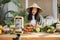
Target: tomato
(26, 30)
(30, 30)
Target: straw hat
(34, 6)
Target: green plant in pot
(14, 13)
(2, 4)
(22, 13)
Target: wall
(23, 5)
(46, 5)
(58, 1)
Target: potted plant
(2, 4)
(22, 13)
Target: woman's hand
(37, 25)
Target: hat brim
(28, 9)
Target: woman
(34, 16)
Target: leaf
(23, 13)
(5, 1)
(1, 1)
(8, 22)
(17, 3)
(14, 13)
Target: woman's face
(34, 10)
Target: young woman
(34, 16)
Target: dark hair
(37, 18)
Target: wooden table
(33, 36)
(41, 36)
(7, 37)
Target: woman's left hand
(37, 25)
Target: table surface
(41, 34)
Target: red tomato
(26, 30)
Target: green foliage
(17, 3)
(14, 13)
(11, 22)
(4, 1)
(49, 29)
(8, 22)
(23, 13)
